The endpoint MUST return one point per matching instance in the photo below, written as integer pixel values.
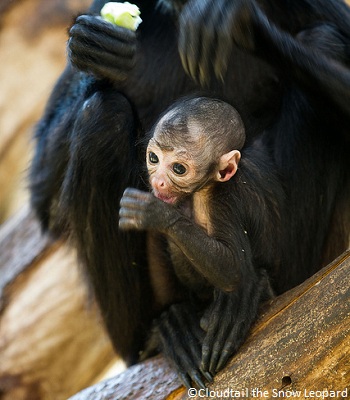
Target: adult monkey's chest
(157, 78)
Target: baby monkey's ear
(228, 165)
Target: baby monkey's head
(195, 143)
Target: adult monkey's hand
(101, 48)
(208, 31)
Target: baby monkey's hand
(142, 211)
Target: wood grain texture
(52, 343)
(301, 343)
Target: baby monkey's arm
(220, 263)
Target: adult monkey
(284, 66)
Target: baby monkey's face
(172, 172)
(179, 168)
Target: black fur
(283, 65)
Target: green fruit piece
(125, 14)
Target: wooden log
(39, 281)
(300, 345)
(52, 343)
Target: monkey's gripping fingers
(101, 48)
(133, 209)
(228, 319)
(180, 340)
(141, 210)
(227, 323)
(207, 32)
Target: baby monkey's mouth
(167, 198)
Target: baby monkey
(206, 221)
(195, 147)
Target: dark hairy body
(285, 67)
(204, 233)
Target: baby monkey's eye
(153, 158)
(179, 169)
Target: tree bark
(300, 345)
(52, 343)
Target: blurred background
(51, 340)
(33, 37)
(52, 343)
